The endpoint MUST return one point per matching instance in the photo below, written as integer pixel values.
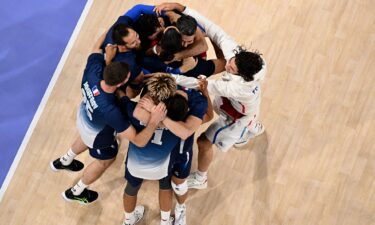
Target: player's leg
(165, 201)
(180, 189)
(133, 213)
(67, 161)
(104, 158)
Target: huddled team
(157, 54)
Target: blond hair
(161, 86)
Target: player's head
(116, 74)
(177, 107)
(124, 35)
(245, 63)
(187, 25)
(170, 43)
(150, 26)
(161, 86)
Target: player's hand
(110, 52)
(202, 83)
(188, 64)
(147, 76)
(166, 7)
(158, 113)
(146, 103)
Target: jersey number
(158, 133)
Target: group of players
(158, 54)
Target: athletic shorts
(181, 163)
(105, 153)
(164, 183)
(205, 67)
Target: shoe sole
(70, 200)
(200, 187)
(53, 168)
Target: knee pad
(180, 189)
(131, 190)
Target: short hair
(170, 43)
(161, 86)
(115, 73)
(120, 31)
(248, 63)
(187, 25)
(147, 25)
(177, 107)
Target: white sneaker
(138, 214)
(248, 135)
(180, 215)
(169, 222)
(194, 182)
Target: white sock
(201, 175)
(165, 217)
(79, 187)
(68, 157)
(129, 218)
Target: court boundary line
(45, 98)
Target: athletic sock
(78, 188)
(68, 157)
(165, 217)
(201, 175)
(129, 218)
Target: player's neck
(106, 88)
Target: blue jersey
(99, 115)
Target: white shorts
(225, 133)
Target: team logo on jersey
(95, 91)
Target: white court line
(45, 98)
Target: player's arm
(183, 129)
(169, 6)
(215, 33)
(210, 109)
(98, 44)
(199, 46)
(142, 138)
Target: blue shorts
(181, 163)
(164, 183)
(104, 153)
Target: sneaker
(74, 166)
(169, 222)
(194, 182)
(86, 197)
(138, 214)
(180, 215)
(248, 135)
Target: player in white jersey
(237, 96)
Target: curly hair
(248, 63)
(161, 86)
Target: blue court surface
(33, 36)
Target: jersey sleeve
(135, 12)
(215, 33)
(95, 65)
(184, 81)
(198, 105)
(117, 120)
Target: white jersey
(244, 96)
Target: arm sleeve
(188, 82)
(229, 89)
(215, 33)
(135, 12)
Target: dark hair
(248, 63)
(147, 25)
(119, 31)
(115, 73)
(177, 107)
(170, 43)
(187, 25)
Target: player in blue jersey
(190, 109)
(98, 120)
